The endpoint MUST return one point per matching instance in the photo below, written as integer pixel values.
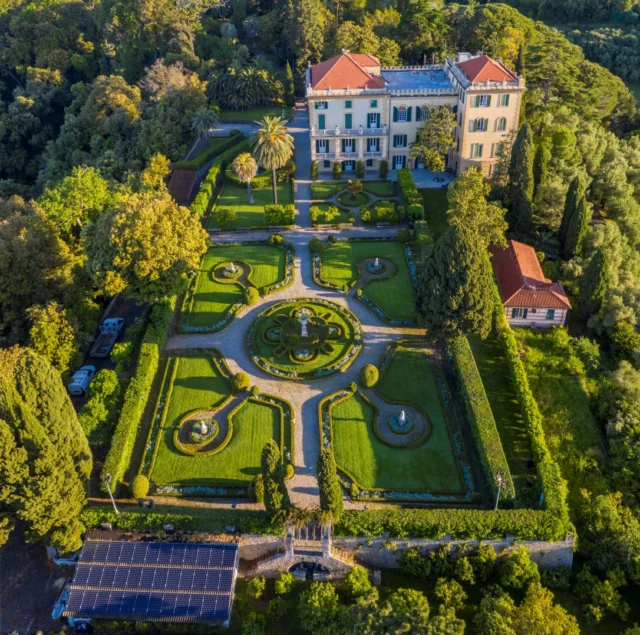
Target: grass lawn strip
(349, 200)
(435, 210)
(236, 197)
(209, 307)
(254, 114)
(379, 188)
(394, 296)
(324, 189)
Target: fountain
(203, 428)
(231, 270)
(401, 423)
(403, 416)
(376, 267)
(303, 315)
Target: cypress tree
(577, 229)
(44, 456)
(540, 163)
(455, 296)
(330, 490)
(276, 496)
(289, 87)
(520, 61)
(574, 194)
(593, 285)
(521, 180)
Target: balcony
(361, 131)
(324, 155)
(349, 155)
(372, 155)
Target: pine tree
(521, 180)
(289, 87)
(276, 496)
(540, 163)
(45, 459)
(574, 194)
(593, 285)
(330, 490)
(577, 229)
(455, 296)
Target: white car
(80, 381)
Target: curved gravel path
(304, 396)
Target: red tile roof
(482, 68)
(521, 282)
(345, 71)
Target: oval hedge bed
(361, 198)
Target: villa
(360, 111)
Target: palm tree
(204, 119)
(245, 167)
(272, 147)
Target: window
(496, 149)
(321, 105)
(519, 313)
(504, 100)
(458, 145)
(348, 166)
(476, 150)
(399, 161)
(326, 164)
(348, 121)
(348, 103)
(423, 113)
(463, 96)
(373, 120)
(501, 124)
(478, 125)
(551, 313)
(481, 101)
(322, 145)
(369, 163)
(402, 114)
(399, 140)
(373, 145)
(373, 103)
(321, 122)
(460, 119)
(348, 145)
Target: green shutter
(315, 105)
(317, 146)
(525, 312)
(395, 114)
(321, 122)
(404, 140)
(488, 101)
(409, 113)
(551, 314)
(347, 104)
(348, 120)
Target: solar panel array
(156, 581)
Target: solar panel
(154, 581)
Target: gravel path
(304, 396)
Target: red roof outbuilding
(346, 71)
(482, 68)
(521, 282)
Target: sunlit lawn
(255, 114)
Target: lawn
(494, 371)
(430, 467)
(255, 114)
(213, 300)
(348, 199)
(435, 210)
(379, 188)
(326, 189)
(236, 197)
(344, 216)
(393, 295)
(198, 384)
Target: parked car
(80, 381)
(109, 331)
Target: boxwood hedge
(211, 153)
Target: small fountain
(303, 315)
(376, 267)
(203, 428)
(403, 416)
(401, 423)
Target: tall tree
(540, 163)
(303, 31)
(289, 87)
(593, 285)
(245, 167)
(574, 194)
(521, 180)
(330, 490)
(468, 207)
(147, 246)
(272, 147)
(204, 120)
(456, 286)
(276, 497)
(435, 138)
(577, 229)
(520, 60)
(45, 459)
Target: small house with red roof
(528, 297)
(362, 111)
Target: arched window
(402, 113)
(501, 123)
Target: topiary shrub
(314, 213)
(353, 387)
(369, 376)
(332, 239)
(276, 239)
(140, 486)
(256, 587)
(251, 296)
(289, 471)
(255, 391)
(240, 382)
(365, 215)
(337, 170)
(256, 489)
(415, 212)
(314, 170)
(354, 491)
(360, 169)
(316, 246)
(384, 169)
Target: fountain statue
(403, 419)
(204, 428)
(376, 264)
(304, 319)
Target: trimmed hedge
(211, 153)
(279, 214)
(408, 191)
(483, 424)
(552, 485)
(137, 394)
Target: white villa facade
(359, 111)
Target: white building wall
(537, 319)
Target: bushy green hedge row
(183, 518)
(263, 181)
(483, 425)
(215, 175)
(552, 485)
(408, 190)
(211, 153)
(137, 394)
(279, 214)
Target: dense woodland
(98, 96)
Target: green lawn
(326, 189)
(197, 385)
(494, 371)
(344, 216)
(361, 198)
(435, 210)
(254, 114)
(236, 197)
(394, 295)
(430, 467)
(379, 188)
(212, 300)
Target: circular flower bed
(361, 198)
(198, 432)
(377, 267)
(304, 339)
(203, 430)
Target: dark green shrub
(251, 296)
(365, 215)
(360, 169)
(384, 169)
(415, 212)
(276, 240)
(332, 239)
(314, 213)
(256, 489)
(316, 246)
(369, 376)
(330, 490)
(256, 587)
(279, 214)
(336, 170)
(354, 491)
(240, 382)
(277, 609)
(139, 486)
(284, 584)
(403, 236)
(314, 170)
(255, 391)
(195, 164)
(289, 471)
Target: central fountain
(376, 267)
(303, 316)
(401, 423)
